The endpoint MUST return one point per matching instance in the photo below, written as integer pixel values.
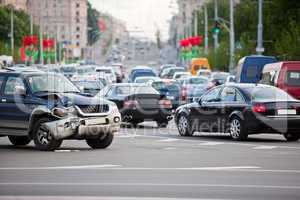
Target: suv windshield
(51, 83)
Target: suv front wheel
(42, 137)
(101, 143)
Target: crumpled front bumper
(84, 127)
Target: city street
(151, 162)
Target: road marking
(264, 147)
(62, 167)
(210, 143)
(168, 140)
(152, 185)
(169, 148)
(128, 136)
(66, 151)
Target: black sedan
(241, 109)
(138, 103)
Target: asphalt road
(151, 163)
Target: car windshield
(51, 83)
(220, 76)
(106, 71)
(127, 90)
(68, 69)
(165, 86)
(268, 94)
(198, 81)
(89, 84)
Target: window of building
(77, 13)
(78, 36)
(77, 5)
(77, 28)
(78, 44)
(77, 20)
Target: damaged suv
(47, 108)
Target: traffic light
(217, 28)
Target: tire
(19, 140)
(101, 143)
(291, 137)
(42, 138)
(183, 126)
(238, 131)
(162, 124)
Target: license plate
(170, 97)
(95, 121)
(287, 112)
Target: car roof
(142, 67)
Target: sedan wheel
(183, 126)
(237, 131)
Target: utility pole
(196, 23)
(205, 30)
(216, 35)
(41, 37)
(232, 43)
(260, 49)
(12, 38)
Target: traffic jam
(49, 104)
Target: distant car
(47, 108)
(241, 110)
(192, 88)
(164, 67)
(284, 75)
(146, 79)
(178, 75)
(119, 71)
(140, 71)
(107, 72)
(231, 79)
(170, 89)
(249, 68)
(69, 70)
(169, 73)
(204, 72)
(217, 78)
(138, 103)
(91, 87)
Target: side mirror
(21, 91)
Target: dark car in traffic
(241, 110)
(138, 103)
(47, 108)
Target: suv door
(14, 105)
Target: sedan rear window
(127, 90)
(268, 94)
(198, 81)
(293, 78)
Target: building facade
(65, 20)
(17, 4)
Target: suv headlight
(62, 112)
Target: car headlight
(62, 112)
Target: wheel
(183, 126)
(291, 137)
(237, 129)
(101, 143)
(42, 137)
(19, 140)
(162, 124)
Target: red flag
(102, 25)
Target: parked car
(170, 89)
(47, 108)
(106, 72)
(241, 110)
(169, 73)
(249, 68)
(178, 75)
(285, 75)
(146, 79)
(141, 71)
(138, 103)
(164, 67)
(192, 88)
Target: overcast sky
(145, 15)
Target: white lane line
(150, 185)
(264, 147)
(62, 167)
(128, 136)
(210, 143)
(168, 140)
(66, 151)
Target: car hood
(70, 99)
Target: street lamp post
(216, 35)
(205, 30)
(12, 38)
(260, 49)
(232, 42)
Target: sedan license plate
(95, 121)
(287, 112)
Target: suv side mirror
(20, 90)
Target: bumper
(137, 115)
(82, 128)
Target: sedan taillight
(184, 94)
(259, 108)
(130, 104)
(165, 103)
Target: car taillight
(130, 104)
(184, 94)
(259, 108)
(165, 103)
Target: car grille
(94, 108)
